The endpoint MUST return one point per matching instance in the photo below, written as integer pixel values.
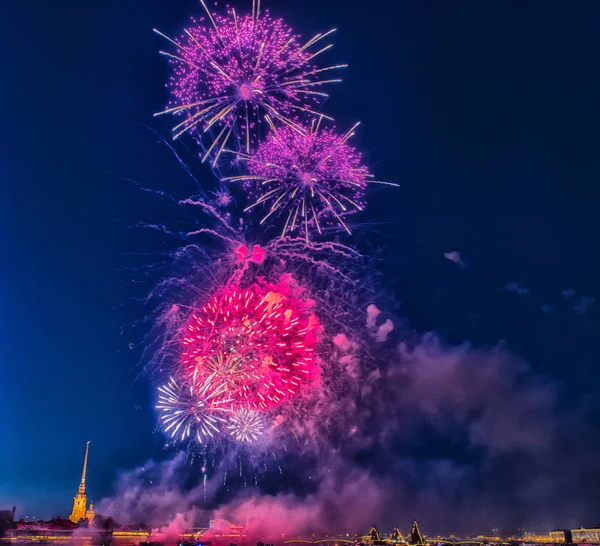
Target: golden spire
(80, 501)
(82, 484)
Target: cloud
(180, 524)
(345, 344)
(583, 305)
(372, 313)
(152, 493)
(517, 288)
(464, 438)
(455, 257)
(347, 497)
(346, 500)
(492, 393)
(384, 330)
(381, 331)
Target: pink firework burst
(229, 71)
(257, 342)
(312, 179)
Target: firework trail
(209, 255)
(310, 281)
(229, 71)
(241, 323)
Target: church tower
(80, 500)
(90, 513)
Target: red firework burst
(257, 342)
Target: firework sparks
(230, 71)
(311, 180)
(189, 410)
(227, 369)
(245, 425)
(247, 85)
(259, 340)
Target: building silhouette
(586, 534)
(7, 520)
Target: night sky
(486, 113)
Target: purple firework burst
(311, 179)
(229, 71)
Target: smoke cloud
(465, 439)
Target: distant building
(7, 520)
(80, 510)
(561, 535)
(583, 534)
(8, 515)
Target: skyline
(173, 526)
(518, 114)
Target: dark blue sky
(487, 113)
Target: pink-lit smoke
(413, 427)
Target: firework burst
(190, 410)
(229, 71)
(257, 341)
(245, 425)
(313, 180)
(247, 85)
(227, 369)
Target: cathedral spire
(82, 484)
(80, 501)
